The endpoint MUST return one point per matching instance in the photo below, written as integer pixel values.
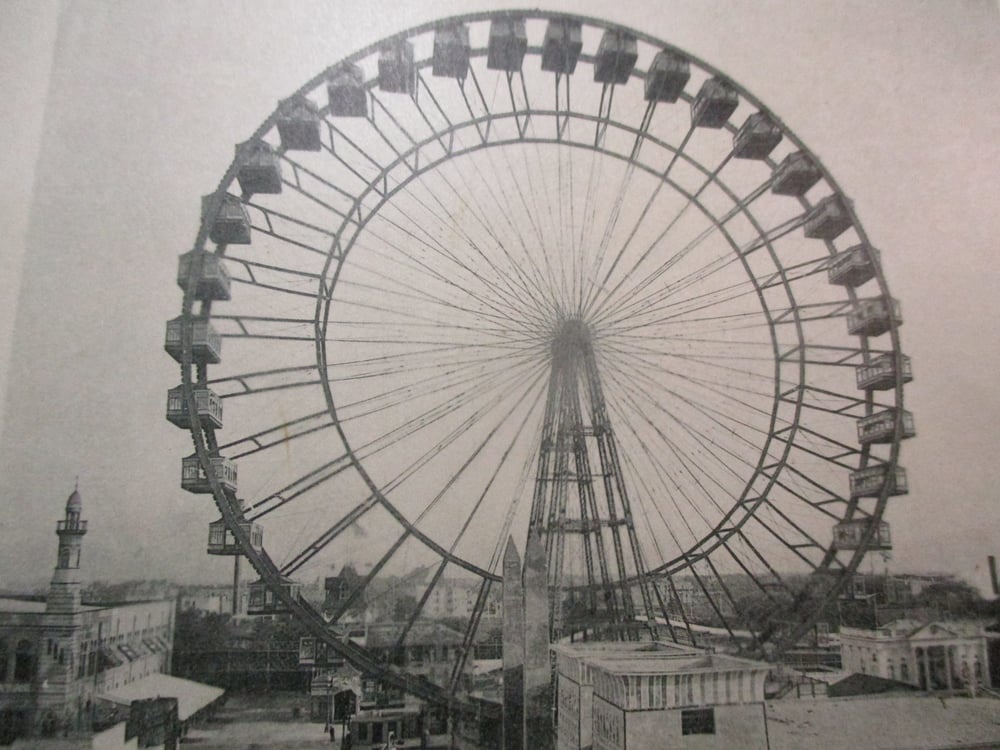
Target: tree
(952, 597)
(403, 607)
(201, 631)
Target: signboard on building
(609, 726)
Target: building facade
(622, 696)
(929, 655)
(59, 655)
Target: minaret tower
(64, 591)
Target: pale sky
(135, 116)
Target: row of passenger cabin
(194, 479)
(227, 219)
(849, 535)
(880, 374)
(207, 407)
(206, 272)
(562, 46)
(222, 541)
(614, 63)
(881, 426)
(853, 267)
(875, 316)
(261, 600)
(206, 343)
(828, 219)
(757, 137)
(795, 175)
(871, 481)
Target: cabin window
(698, 721)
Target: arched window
(24, 661)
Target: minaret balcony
(71, 527)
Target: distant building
(429, 649)
(456, 597)
(215, 599)
(703, 601)
(930, 655)
(60, 656)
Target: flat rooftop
(884, 723)
(653, 665)
(637, 648)
(17, 605)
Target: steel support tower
(581, 505)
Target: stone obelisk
(513, 650)
(537, 670)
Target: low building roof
(191, 696)
(18, 605)
(883, 723)
(629, 665)
(384, 635)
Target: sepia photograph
(585, 376)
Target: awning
(191, 696)
(109, 658)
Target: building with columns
(60, 655)
(948, 656)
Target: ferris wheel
(514, 273)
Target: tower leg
(236, 585)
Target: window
(698, 721)
(24, 662)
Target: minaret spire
(64, 590)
